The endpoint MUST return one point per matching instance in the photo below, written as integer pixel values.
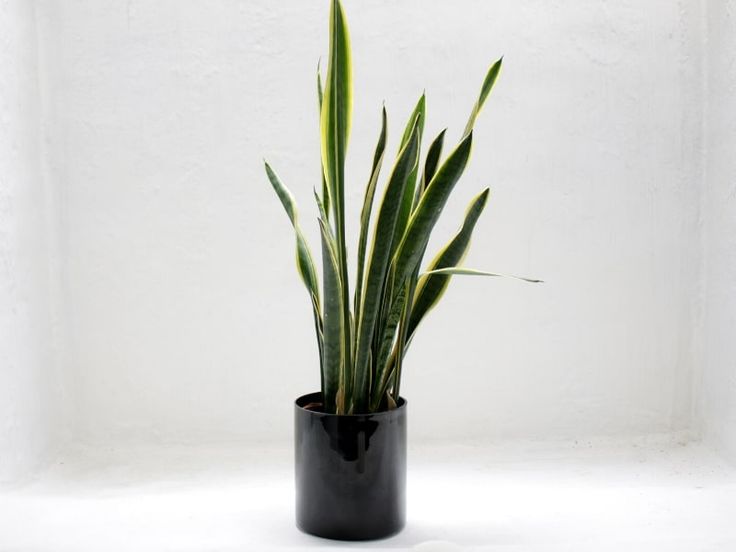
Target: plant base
(350, 472)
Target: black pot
(350, 471)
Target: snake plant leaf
(419, 112)
(385, 345)
(431, 288)
(401, 343)
(320, 93)
(430, 168)
(405, 264)
(485, 90)
(325, 190)
(462, 271)
(378, 264)
(407, 201)
(433, 157)
(428, 211)
(396, 361)
(428, 297)
(337, 111)
(304, 261)
(335, 120)
(431, 163)
(332, 323)
(320, 205)
(365, 212)
(362, 338)
(320, 337)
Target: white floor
(647, 496)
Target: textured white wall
(29, 392)
(719, 378)
(186, 319)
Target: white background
(719, 346)
(147, 283)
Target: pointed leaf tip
(462, 271)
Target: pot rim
(381, 413)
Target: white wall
(719, 380)
(185, 316)
(29, 392)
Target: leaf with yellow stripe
(430, 288)
(418, 117)
(304, 261)
(365, 212)
(485, 90)
(462, 271)
(378, 267)
(335, 118)
(333, 329)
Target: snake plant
(363, 339)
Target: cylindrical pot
(350, 471)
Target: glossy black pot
(350, 471)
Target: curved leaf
(325, 190)
(422, 221)
(428, 211)
(319, 87)
(431, 288)
(462, 271)
(304, 261)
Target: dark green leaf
(337, 104)
(431, 163)
(418, 116)
(377, 266)
(333, 328)
(431, 288)
(365, 213)
(427, 212)
(335, 126)
(385, 344)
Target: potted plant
(351, 435)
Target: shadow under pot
(350, 471)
